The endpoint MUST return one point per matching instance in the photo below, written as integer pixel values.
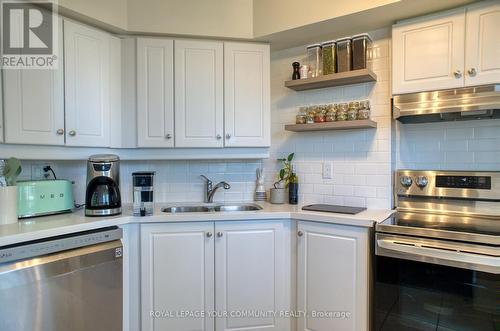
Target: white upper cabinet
(247, 115)
(428, 53)
(1, 110)
(177, 275)
(87, 101)
(199, 91)
(34, 104)
(332, 276)
(482, 49)
(155, 92)
(252, 274)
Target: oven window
(420, 296)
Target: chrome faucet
(210, 189)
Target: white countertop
(48, 226)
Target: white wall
(219, 18)
(469, 145)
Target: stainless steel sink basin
(187, 209)
(212, 208)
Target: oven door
(425, 284)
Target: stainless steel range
(438, 257)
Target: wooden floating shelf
(338, 79)
(342, 125)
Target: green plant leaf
(282, 174)
(290, 157)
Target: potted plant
(279, 192)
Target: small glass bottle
(320, 115)
(311, 112)
(301, 117)
(331, 114)
(342, 112)
(293, 187)
(352, 112)
(364, 110)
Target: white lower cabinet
(332, 277)
(235, 267)
(1, 110)
(251, 273)
(177, 275)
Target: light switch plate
(327, 170)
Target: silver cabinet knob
(72, 133)
(300, 233)
(219, 137)
(168, 136)
(421, 181)
(220, 234)
(457, 74)
(209, 234)
(472, 72)
(60, 132)
(228, 136)
(406, 181)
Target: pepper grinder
(296, 70)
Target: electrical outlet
(37, 172)
(327, 170)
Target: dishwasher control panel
(57, 244)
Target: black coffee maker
(103, 186)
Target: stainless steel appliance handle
(65, 262)
(446, 253)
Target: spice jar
(311, 111)
(320, 115)
(360, 46)
(352, 112)
(331, 113)
(344, 54)
(364, 110)
(304, 71)
(301, 117)
(342, 112)
(329, 57)
(314, 59)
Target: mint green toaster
(44, 197)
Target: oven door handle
(447, 254)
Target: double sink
(208, 208)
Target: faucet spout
(210, 189)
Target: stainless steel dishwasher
(71, 282)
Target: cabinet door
(198, 93)
(332, 276)
(34, 104)
(251, 274)
(482, 49)
(428, 53)
(247, 117)
(86, 85)
(1, 108)
(155, 92)
(177, 275)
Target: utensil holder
(8, 205)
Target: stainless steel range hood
(469, 103)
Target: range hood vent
(469, 103)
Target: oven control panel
(475, 182)
(448, 184)
(58, 244)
